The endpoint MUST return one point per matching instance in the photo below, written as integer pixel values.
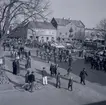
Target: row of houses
(60, 29)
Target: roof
(19, 32)
(41, 25)
(62, 22)
(94, 29)
(78, 23)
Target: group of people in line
(57, 55)
(30, 79)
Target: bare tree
(18, 12)
(102, 27)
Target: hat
(32, 72)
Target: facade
(68, 29)
(93, 34)
(41, 31)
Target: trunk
(7, 23)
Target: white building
(41, 31)
(64, 26)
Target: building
(19, 32)
(93, 34)
(41, 31)
(69, 29)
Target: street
(94, 91)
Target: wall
(78, 33)
(43, 34)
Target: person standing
(83, 75)
(44, 76)
(70, 61)
(29, 62)
(26, 77)
(69, 70)
(70, 83)
(29, 53)
(31, 79)
(58, 81)
(18, 66)
(55, 69)
(51, 69)
(14, 67)
(26, 86)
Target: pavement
(81, 95)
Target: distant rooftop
(41, 25)
(94, 29)
(64, 22)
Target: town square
(47, 58)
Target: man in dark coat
(70, 61)
(58, 80)
(27, 77)
(55, 69)
(18, 66)
(14, 67)
(70, 84)
(31, 79)
(83, 74)
(51, 69)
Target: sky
(90, 12)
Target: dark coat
(31, 78)
(14, 68)
(70, 82)
(26, 78)
(83, 74)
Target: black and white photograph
(52, 52)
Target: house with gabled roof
(41, 31)
(64, 26)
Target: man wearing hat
(83, 74)
(70, 83)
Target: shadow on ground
(98, 103)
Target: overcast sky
(89, 11)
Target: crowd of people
(50, 53)
(96, 61)
(46, 52)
